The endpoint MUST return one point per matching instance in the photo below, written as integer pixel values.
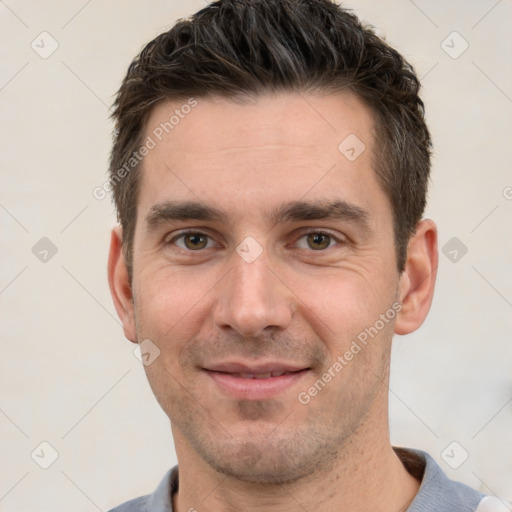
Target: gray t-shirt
(437, 492)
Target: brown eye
(318, 241)
(195, 241)
(192, 241)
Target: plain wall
(68, 376)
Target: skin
(302, 301)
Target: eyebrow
(168, 211)
(294, 211)
(321, 210)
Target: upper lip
(253, 368)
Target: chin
(261, 470)
(269, 460)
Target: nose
(252, 299)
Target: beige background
(68, 376)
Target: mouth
(267, 375)
(255, 382)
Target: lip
(268, 367)
(255, 381)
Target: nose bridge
(251, 298)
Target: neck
(364, 476)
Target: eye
(192, 241)
(317, 241)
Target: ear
(120, 286)
(418, 279)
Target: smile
(255, 383)
(260, 375)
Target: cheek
(171, 303)
(342, 304)
(170, 308)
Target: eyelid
(339, 238)
(180, 234)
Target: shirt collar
(436, 492)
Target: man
(270, 170)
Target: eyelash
(333, 237)
(185, 233)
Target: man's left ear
(418, 279)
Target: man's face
(262, 246)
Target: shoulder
(160, 500)
(136, 505)
(438, 493)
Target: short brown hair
(234, 48)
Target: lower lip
(255, 389)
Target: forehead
(212, 124)
(275, 147)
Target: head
(272, 223)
